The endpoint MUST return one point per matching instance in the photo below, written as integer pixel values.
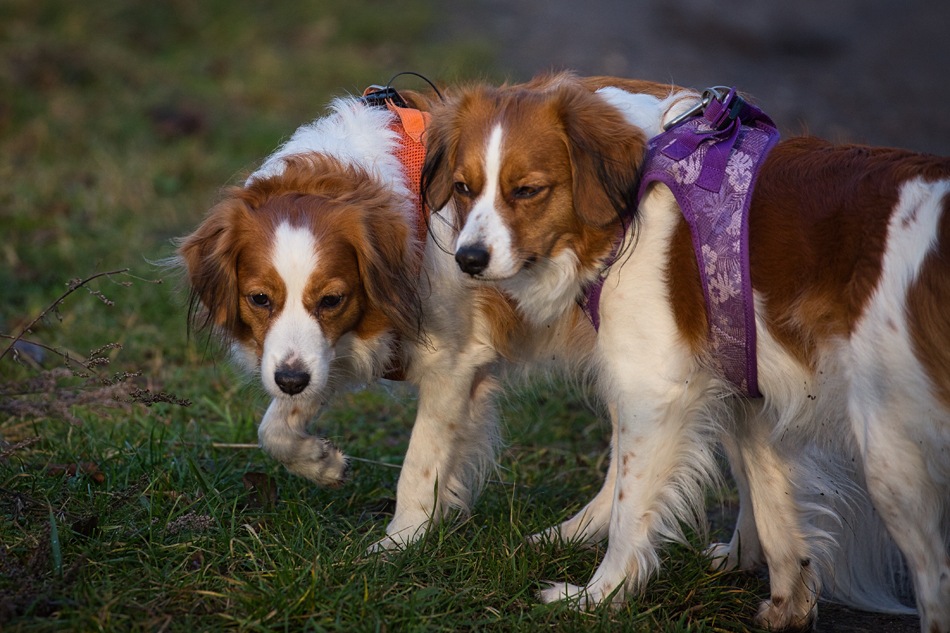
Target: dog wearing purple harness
(802, 326)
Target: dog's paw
(402, 531)
(555, 592)
(579, 530)
(780, 614)
(319, 461)
(385, 545)
(721, 557)
(582, 598)
(550, 535)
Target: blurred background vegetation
(119, 120)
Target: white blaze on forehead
(295, 337)
(485, 226)
(294, 256)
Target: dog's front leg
(664, 455)
(283, 434)
(590, 524)
(451, 447)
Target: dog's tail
(864, 567)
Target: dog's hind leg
(591, 523)
(906, 448)
(744, 550)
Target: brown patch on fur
(505, 321)
(634, 86)
(366, 246)
(928, 299)
(686, 289)
(817, 232)
(620, 495)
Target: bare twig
(146, 397)
(349, 457)
(72, 286)
(10, 450)
(19, 338)
(29, 499)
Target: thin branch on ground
(73, 286)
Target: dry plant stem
(10, 450)
(349, 457)
(29, 499)
(72, 288)
(19, 338)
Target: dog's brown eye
(527, 192)
(328, 302)
(260, 300)
(462, 189)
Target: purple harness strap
(710, 163)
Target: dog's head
(530, 172)
(302, 268)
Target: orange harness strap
(410, 126)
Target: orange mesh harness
(410, 125)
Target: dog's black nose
(291, 381)
(472, 259)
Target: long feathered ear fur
(210, 255)
(389, 258)
(606, 154)
(442, 139)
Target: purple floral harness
(710, 157)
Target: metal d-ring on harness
(377, 95)
(720, 94)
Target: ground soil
(866, 71)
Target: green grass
(119, 122)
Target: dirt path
(873, 71)
(869, 71)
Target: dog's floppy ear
(389, 256)
(442, 139)
(606, 153)
(210, 255)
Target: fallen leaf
(263, 489)
(90, 469)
